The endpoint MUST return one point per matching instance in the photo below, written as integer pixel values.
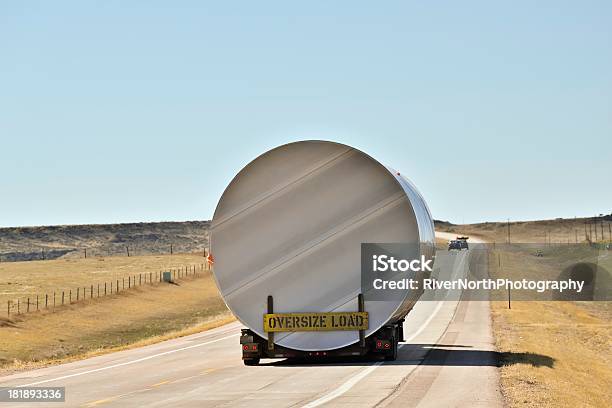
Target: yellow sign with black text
(293, 322)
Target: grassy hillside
(71, 241)
(559, 230)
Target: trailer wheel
(251, 361)
(393, 355)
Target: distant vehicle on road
(458, 244)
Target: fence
(52, 300)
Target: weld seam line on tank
(347, 385)
(448, 292)
(332, 233)
(310, 172)
(349, 299)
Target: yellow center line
(106, 400)
(100, 402)
(149, 388)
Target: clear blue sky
(120, 111)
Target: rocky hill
(35, 243)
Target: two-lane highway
(447, 360)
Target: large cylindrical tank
(291, 224)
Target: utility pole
(508, 230)
(585, 233)
(576, 232)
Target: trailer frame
(383, 343)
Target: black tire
(251, 361)
(392, 356)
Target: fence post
(53, 300)
(28, 306)
(140, 279)
(117, 287)
(18, 308)
(78, 289)
(70, 296)
(509, 305)
(8, 308)
(63, 297)
(46, 301)
(98, 290)
(129, 282)
(91, 292)
(37, 303)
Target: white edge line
(348, 384)
(127, 362)
(344, 387)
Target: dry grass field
(131, 318)
(570, 343)
(28, 279)
(555, 231)
(146, 313)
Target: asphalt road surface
(446, 361)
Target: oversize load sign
(293, 322)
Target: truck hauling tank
(286, 236)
